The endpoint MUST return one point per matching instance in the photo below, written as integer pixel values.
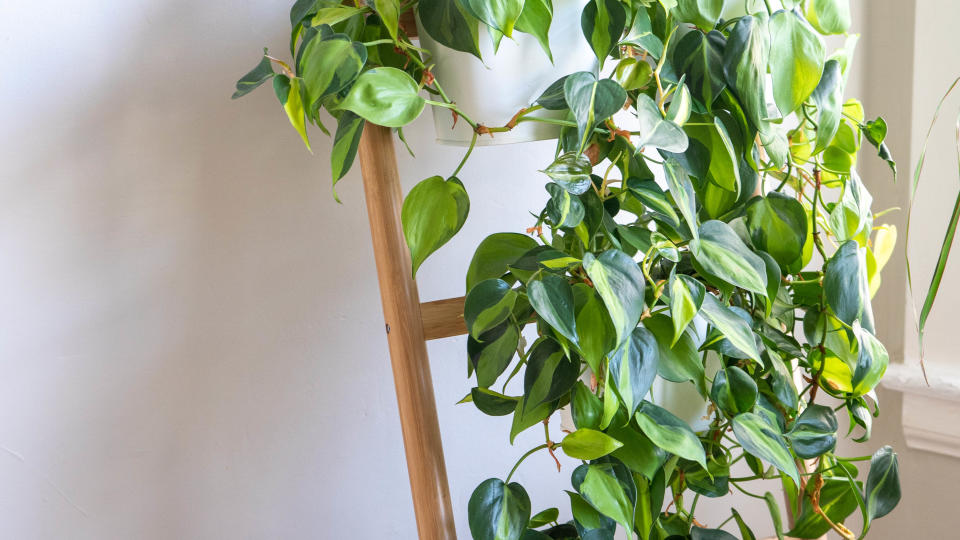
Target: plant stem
(523, 457)
(473, 142)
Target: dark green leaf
(883, 483)
(872, 362)
(837, 500)
(549, 374)
(433, 212)
(345, 143)
(492, 403)
(745, 66)
(488, 304)
(640, 34)
(814, 433)
(734, 391)
(778, 225)
(585, 407)
(255, 77)
(552, 298)
(495, 253)
(633, 367)
(678, 361)
(699, 57)
(710, 534)
(540, 519)
(681, 189)
(603, 22)
(774, 510)
(843, 282)
(447, 22)
(492, 352)
(498, 511)
(595, 331)
(735, 329)
(526, 417)
(828, 97)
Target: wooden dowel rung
(443, 318)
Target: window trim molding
(929, 412)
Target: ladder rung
(443, 318)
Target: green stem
(523, 457)
(769, 9)
(473, 142)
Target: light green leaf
(633, 367)
(603, 22)
(288, 92)
(588, 444)
(385, 96)
(607, 495)
(488, 304)
(734, 391)
(498, 511)
(702, 13)
(678, 361)
(552, 298)
(591, 101)
(535, 20)
(829, 16)
(595, 331)
(449, 24)
(764, 441)
(721, 253)
(433, 212)
(686, 297)
(329, 65)
(796, 60)
(828, 96)
(620, 283)
(501, 15)
(389, 11)
(735, 329)
(333, 15)
(549, 375)
(656, 131)
(681, 189)
(670, 433)
(640, 34)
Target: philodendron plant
(704, 224)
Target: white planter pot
(492, 92)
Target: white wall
(191, 343)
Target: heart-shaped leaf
(702, 13)
(686, 297)
(699, 57)
(620, 283)
(745, 66)
(655, 130)
(778, 225)
(735, 329)
(260, 74)
(535, 20)
(500, 15)
(678, 361)
(328, 65)
(495, 253)
(829, 16)
(588, 444)
(591, 101)
(447, 22)
(552, 298)
(883, 483)
(498, 511)
(796, 60)
(433, 212)
(734, 391)
(571, 171)
(487, 305)
(762, 440)
(603, 22)
(670, 433)
(385, 96)
(549, 374)
(814, 433)
(721, 253)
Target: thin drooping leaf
(883, 483)
(500, 15)
(346, 140)
(535, 20)
(262, 72)
(447, 22)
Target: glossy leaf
(883, 483)
(620, 283)
(544, 517)
(735, 329)
(491, 353)
(686, 297)
(678, 361)
(501, 15)
(734, 391)
(498, 511)
(449, 24)
(681, 189)
(571, 171)
(488, 304)
(549, 375)
(603, 22)
(535, 20)
(844, 283)
(588, 444)
(814, 433)
(670, 433)
(796, 60)
(495, 253)
(633, 367)
(385, 96)
(329, 66)
(585, 407)
(656, 131)
(433, 212)
(389, 12)
(745, 66)
(290, 96)
(778, 225)
(828, 96)
(591, 101)
(605, 493)
(702, 13)
(721, 252)
(595, 331)
(762, 440)
(552, 298)
(710, 534)
(837, 501)
(700, 58)
(493, 403)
